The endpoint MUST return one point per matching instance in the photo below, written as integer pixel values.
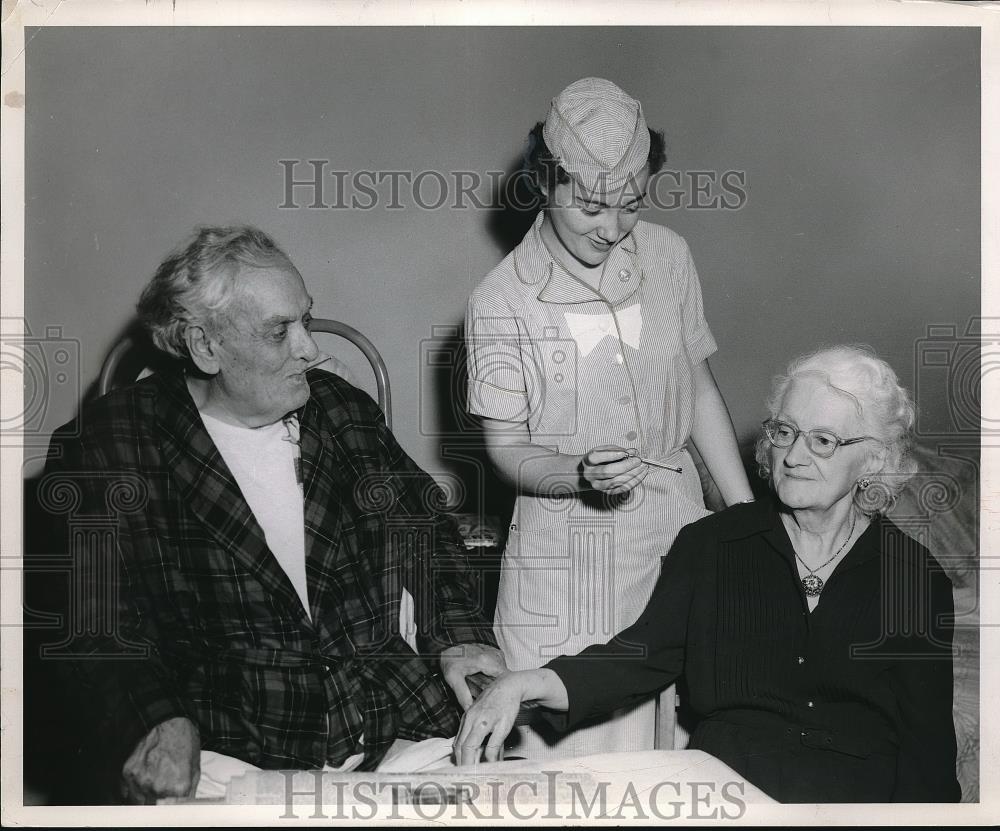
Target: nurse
(588, 364)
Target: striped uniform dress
(585, 368)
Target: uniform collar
(534, 265)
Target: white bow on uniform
(590, 330)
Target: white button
(619, 358)
(800, 659)
(630, 435)
(623, 275)
(810, 705)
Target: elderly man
(267, 523)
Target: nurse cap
(598, 133)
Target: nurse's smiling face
(586, 226)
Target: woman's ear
(876, 461)
(202, 349)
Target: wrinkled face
(588, 225)
(262, 345)
(802, 480)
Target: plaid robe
(182, 610)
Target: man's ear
(202, 349)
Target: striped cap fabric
(598, 133)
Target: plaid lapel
(210, 492)
(345, 600)
(324, 484)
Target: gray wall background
(860, 148)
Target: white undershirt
(263, 461)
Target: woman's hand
(612, 470)
(491, 716)
(493, 713)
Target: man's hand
(166, 762)
(458, 662)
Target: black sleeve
(645, 657)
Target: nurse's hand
(612, 470)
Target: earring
(864, 483)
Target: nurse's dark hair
(546, 170)
(195, 284)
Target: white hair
(194, 285)
(884, 406)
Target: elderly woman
(814, 636)
(588, 364)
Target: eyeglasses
(821, 443)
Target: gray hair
(884, 406)
(195, 284)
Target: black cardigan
(849, 703)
